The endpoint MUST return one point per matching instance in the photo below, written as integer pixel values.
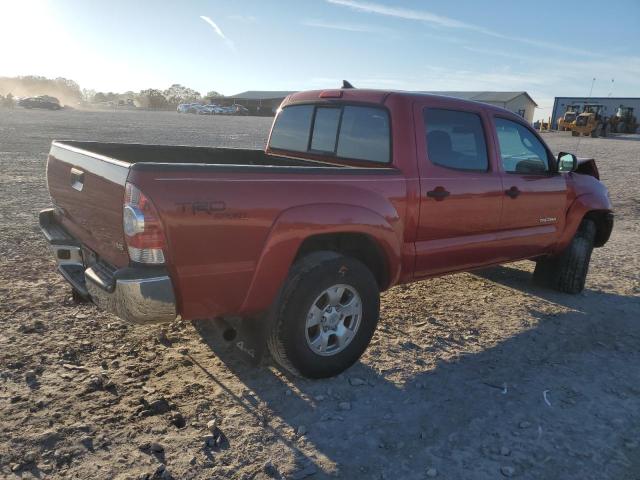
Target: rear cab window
(349, 132)
(456, 139)
(325, 129)
(292, 132)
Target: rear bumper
(135, 294)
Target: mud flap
(251, 337)
(244, 338)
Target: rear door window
(291, 129)
(455, 139)
(364, 134)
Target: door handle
(439, 193)
(77, 179)
(513, 192)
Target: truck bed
(133, 153)
(87, 181)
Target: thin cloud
(243, 18)
(627, 69)
(347, 27)
(447, 22)
(219, 32)
(499, 53)
(404, 13)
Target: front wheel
(326, 317)
(567, 272)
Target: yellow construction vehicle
(590, 122)
(569, 117)
(623, 121)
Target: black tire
(567, 272)
(308, 278)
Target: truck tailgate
(87, 190)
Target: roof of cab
(348, 94)
(378, 96)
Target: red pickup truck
(357, 191)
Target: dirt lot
(472, 376)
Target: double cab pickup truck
(355, 192)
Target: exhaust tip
(229, 334)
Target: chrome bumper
(143, 299)
(137, 295)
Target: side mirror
(567, 162)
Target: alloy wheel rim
(333, 320)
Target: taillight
(142, 227)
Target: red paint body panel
(455, 233)
(292, 228)
(232, 257)
(234, 261)
(93, 215)
(586, 194)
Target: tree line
(152, 97)
(70, 93)
(67, 91)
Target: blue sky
(548, 48)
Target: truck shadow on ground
(536, 405)
(514, 278)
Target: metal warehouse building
(258, 102)
(266, 102)
(611, 105)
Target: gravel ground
(470, 376)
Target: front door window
(520, 150)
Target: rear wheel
(567, 272)
(326, 317)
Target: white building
(519, 103)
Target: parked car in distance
(189, 108)
(239, 110)
(217, 109)
(207, 110)
(183, 107)
(43, 101)
(196, 108)
(290, 247)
